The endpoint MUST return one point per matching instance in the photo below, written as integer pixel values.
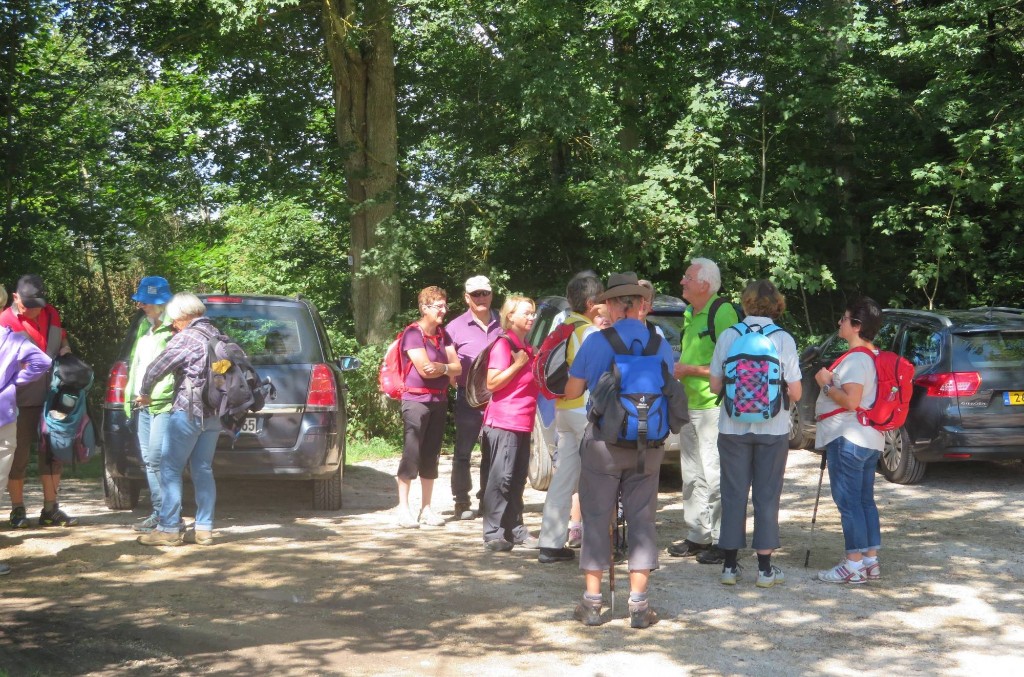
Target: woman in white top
(852, 449)
(753, 455)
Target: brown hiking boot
(588, 612)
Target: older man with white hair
(706, 317)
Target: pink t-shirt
(512, 407)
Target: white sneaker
(428, 518)
(776, 577)
(842, 573)
(406, 521)
(872, 572)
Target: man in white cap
(470, 333)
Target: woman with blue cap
(150, 340)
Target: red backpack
(892, 396)
(551, 368)
(394, 369)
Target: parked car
(667, 314)
(968, 401)
(300, 435)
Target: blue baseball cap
(154, 290)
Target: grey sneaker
(4, 569)
(842, 573)
(776, 577)
(147, 525)
(872, 572)
(588, 611)
(463, 511)
(641, 615)
(730, 576)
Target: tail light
(957, 383)
(117, 381)
(224, 299)
(323, 392)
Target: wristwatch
(826, 388)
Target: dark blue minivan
(299, 435)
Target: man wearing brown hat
(608, 467)
(34, 318)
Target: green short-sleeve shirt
(697, 348)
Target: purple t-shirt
(435, 347)
(469, 338)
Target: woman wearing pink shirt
(508, 423)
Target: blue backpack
(640, 376)
(754, 391)
(65, 431)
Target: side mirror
(349, 363)
(810, 354)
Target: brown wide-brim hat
(624, 284)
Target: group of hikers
(610, 440)
(727, 451)
(175, 425)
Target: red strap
(405, 370)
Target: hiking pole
(611, 565)
(814, 515)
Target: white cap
(478, 283)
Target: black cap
(31, 292)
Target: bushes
(370, 414)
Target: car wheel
(797, 433)
(120, 493)
(541, 466)
(897, 462)
(327, 492)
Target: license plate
(249, 425)
(1013, 397)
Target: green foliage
(371, 414)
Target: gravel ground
(290, 591)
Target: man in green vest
(704, 319)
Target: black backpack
(232, 388)
(712, 311)
(477, 394)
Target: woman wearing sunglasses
(508, 424)
(425, 405)
(851, 449)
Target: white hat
(478, 283)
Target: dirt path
(289, 591)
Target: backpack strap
(858, 349)
(417, 390)
(710, 331)
(615, 341)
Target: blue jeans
(151, 429)
(192, 442)
(851, 472)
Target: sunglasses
(479, 294)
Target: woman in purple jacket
(21, 362)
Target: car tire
(327, 492)
(120, 493)
(897, 462)
(797, 432)
(542, 468)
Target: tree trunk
(360, 46)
